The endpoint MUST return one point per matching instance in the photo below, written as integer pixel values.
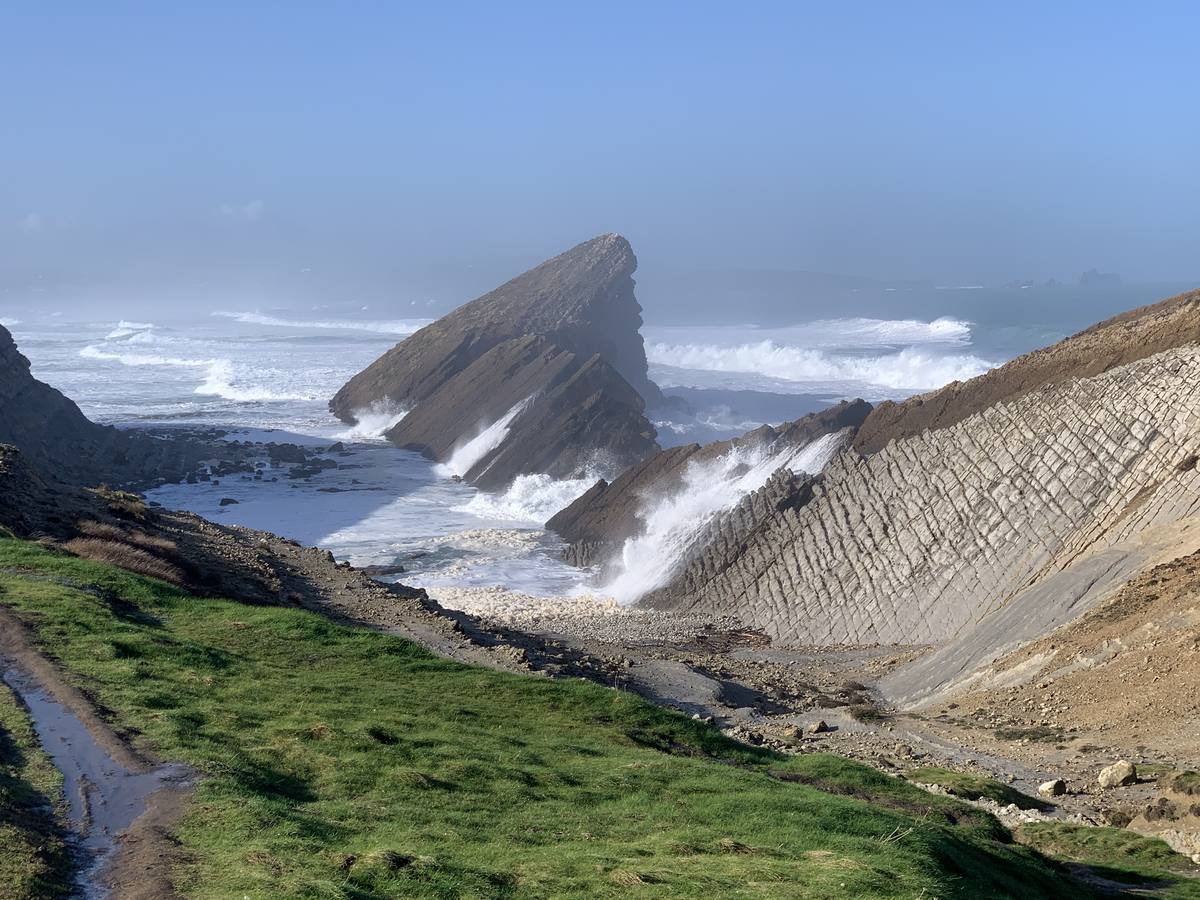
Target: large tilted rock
(561, 342)
(56, 437)
(596, 525)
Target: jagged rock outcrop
(562, 341)
(57, 438)
(596, 524)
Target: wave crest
(397, 326)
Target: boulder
(227, 501)
(817, 727)
(1054, 788)
(1118, 774)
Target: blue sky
(379, 144)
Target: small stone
(817, 727)
(228, 501)
(1118, 774)
(1055, 788)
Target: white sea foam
(530, 499)
(909, 369)
(373, 422)
(671, 524)
(126, 329)
(220, 378)
(9, 322)
(398, 326)
(467, 455)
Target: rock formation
(598, 522)
(555, 353)
(975, 519)
(57, 438)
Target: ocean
(268, 376)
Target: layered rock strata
(596, 524)
(562, 341)
(926, 538)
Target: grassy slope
(34, 862)
(1119, 856)
(346, 763)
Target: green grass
(343, 763)
(974, 787)
(34, 862)
(1118, 856)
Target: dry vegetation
(132, 550)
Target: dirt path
(122, 805)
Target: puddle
(104, 797)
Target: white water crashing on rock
(530, 499)
(710, 487)
(464, 457)
(374, 422)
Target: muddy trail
(120, 807)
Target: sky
(390, 153)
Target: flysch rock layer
(563, 339)
(596, 524)
(927, 538)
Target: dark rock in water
(286, 453)
(381, 571)
(339, 447)
(597, 523)
(228, 501)
(556, 351)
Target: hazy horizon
(409, 160)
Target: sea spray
(710, 487)
(374, 422)
(466, 456)
(906, 370)
(530, 499)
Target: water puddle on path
(104, 796)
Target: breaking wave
(672, 524)
(531, 499)
(909, 369)
(372, 423)
(398, 326)
(128, 329)
(220, 378)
